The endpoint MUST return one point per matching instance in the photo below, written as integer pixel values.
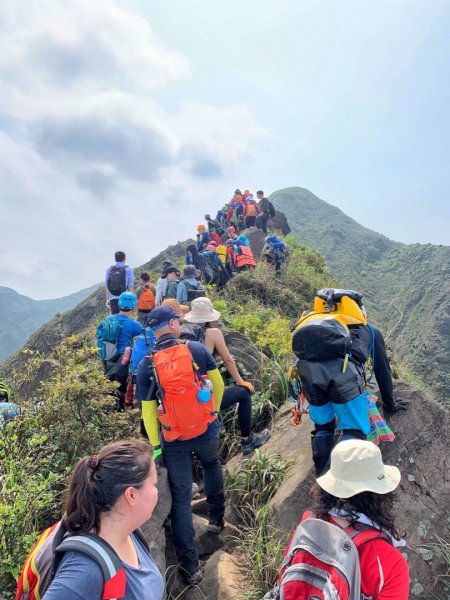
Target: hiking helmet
(211, 247)
(231, 229)
(5, 392)
(127, 300)
(201, 228)
(225, 208)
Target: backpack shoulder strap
(361, 536)
(104, 555)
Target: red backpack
(44, 558)
(180, 413)
(146, 299)
(322, 562)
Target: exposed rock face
(153, 529)
(223, 579)
(279, 223)
(421, 453)
(256, 239)
(244, 352)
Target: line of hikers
(180, 393)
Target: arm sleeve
(137, 329)
(130, 278)
(396, 581)
(150, 419)
(382, 369)
(217, 382)
(144, 393)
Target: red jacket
(384, 571)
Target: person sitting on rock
(201, 325)
(111, 494)
(355, 495)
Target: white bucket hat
(357, 466)
(202, 311)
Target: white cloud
(90, 161)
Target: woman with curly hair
(356, 495)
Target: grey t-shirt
(80, 578)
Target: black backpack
(194, 291)
(117, 280)
(271, 210)
(193, 331)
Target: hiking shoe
(215, 528)
(193, 579)
(399, 404)
(255, 441)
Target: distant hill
(21, 316)
(83, 314)
(406, 286)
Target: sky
(122, 122)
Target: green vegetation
(70, 415)
(406, 287)
(251, 488)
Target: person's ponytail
(81, 511)
(98, 481)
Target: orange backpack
(181, 415)
(251, 210)
(44, 558)
(245, 258)
(146, 300)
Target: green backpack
(106, 338)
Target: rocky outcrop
(224, 578)
(278, 223)
(256, 239)
(153, 529)
(246, 354)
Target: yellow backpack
(322, 333)
(221, 252)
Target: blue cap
(160, 317)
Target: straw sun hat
(357, 466)
(202, 311)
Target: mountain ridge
(406, 287)
(22, 315)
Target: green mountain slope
(21, 316)
(406, 287)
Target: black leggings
(237, 394)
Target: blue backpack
(106, 338)
(142, 344)
(276, 243)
